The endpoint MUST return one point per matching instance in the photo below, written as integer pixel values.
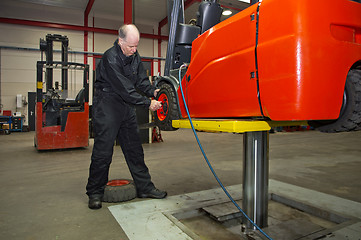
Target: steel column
(86, 17)
(64, 59)
(0, 84)
(255, 178)
(159, 47)
(128, 11)
(255, 160)
(49, 59)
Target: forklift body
(284, 60)
(61, 121)
(277, 60)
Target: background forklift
(62, 121)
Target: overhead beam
(89, 7)
(72, 27)
(128, 11)
(86, 17)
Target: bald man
(120, 76)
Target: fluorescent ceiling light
(246, 1)
(227, 12)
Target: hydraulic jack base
(255, 161)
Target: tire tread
(113, 194)
(351, 120)
(166, 124)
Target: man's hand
(156, 92)
(155, 105)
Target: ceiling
(146, 10)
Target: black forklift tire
(119, 190)
(169, 110)
(350, 114)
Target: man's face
(129, 45)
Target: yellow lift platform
(255, 159)
(234, 126)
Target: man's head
(128, 39)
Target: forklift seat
(72, 106)
(209, 14)
(186, 33)
(80, 97)
(79, 100)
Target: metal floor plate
(159, 219)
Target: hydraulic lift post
(255, 161)
(255, 178)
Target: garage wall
(18, 66)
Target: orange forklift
(276, 60)
(62, 110)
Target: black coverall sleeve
(143, 83)
(121, 84)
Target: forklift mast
(181, 35)
(47, 47)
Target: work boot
(154, 193)
(95, 202)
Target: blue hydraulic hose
(209, 164)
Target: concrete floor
(43, 193)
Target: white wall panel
(103, 42)
(8, 97)
(105, 21)
(29, 37)
(18, 60)
(17, 77)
